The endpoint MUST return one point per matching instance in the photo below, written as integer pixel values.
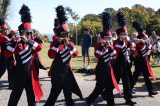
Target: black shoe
(152, 93)
(130, 102)
(87, 102)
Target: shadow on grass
(155, 66)
(78, 57)
(93, 60)
(79, 60)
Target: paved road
(86, 83)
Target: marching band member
(121, 65)
(104, 52)
(3, 40)
(142, 50)
(62, 50)
(5, 63)
(23, 48)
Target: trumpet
(123, 38)
(105, 43)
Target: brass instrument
(105, 43)
(123, 38)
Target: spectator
(86, 44)
(114, 36)
(153, 38)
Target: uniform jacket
(24, 68)
(61, 73)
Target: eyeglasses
(28, 33)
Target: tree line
(149, 18)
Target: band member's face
(114, 35)
(34, 35)
(65, 35)
(134, 36)
(4, 31)
(106, 38)
(121, 37)
(105, 43)
(28, 35)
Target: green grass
(156, 70)
(77, 61)
(44, 55)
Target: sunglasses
(28, 33)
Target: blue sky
(43, 11)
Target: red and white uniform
(104, 52)
(123, 48)
(63, 50)
(24, 68)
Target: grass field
(77, 61)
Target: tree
(150, 11)
(154, 25)
(73, 14)
(4, 4)
(158, 12)
(93, 22)
(139, 13)
(138, 6)
(94, 26)
(91, 17)
(75, 17)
